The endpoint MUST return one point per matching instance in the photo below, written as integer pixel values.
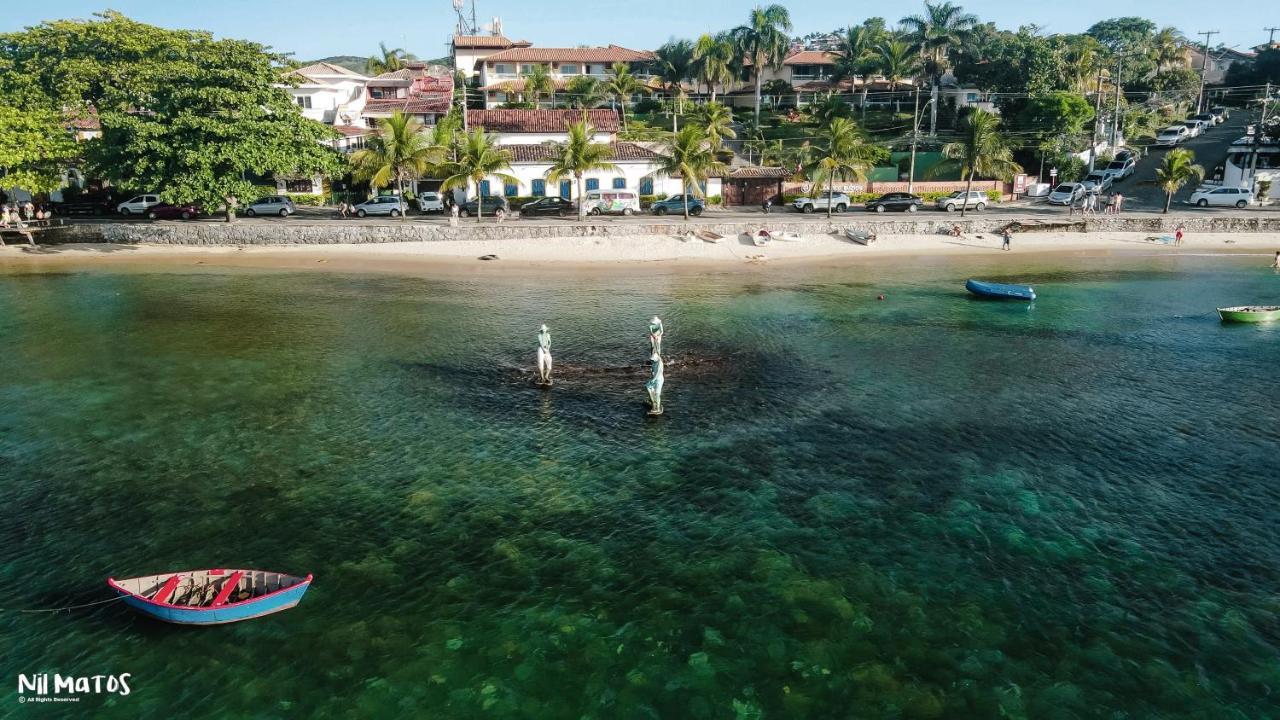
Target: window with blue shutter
(593, 183)
(539, 188)
(646, 186)
(484, 188)
(510, 190)
(619, 183)
(566, 189)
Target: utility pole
(1097, 123)
(1271, 40)
(1115, 123)
(1204, 67)
(1257, 139)
(915, 138)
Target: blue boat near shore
(211, 597)
(1000, 291)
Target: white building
(418, 89)
(329, 93)
(471, 50)
(501, 74)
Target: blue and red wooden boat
(211, 597)
(1000, 291)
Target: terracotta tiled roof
(487, 41)
(419, 103)
(812, 57)
(757, 171)
(88, 122)
(542, 153)
(609, 54)
(324, 68)
(540, 121)
(352, 130)
(416, 70)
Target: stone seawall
(301, 233)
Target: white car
(1066, 193)
(975, 200)
(1221, 197)
(837, 201)
(1171, 136)
(271, 205)
(138, 205)
(1195, 128)
(1118, 170)
(430, 202)
(381, 205)
(1097, 181)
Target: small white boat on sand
(861, 237)
(760, 238)
(708, 236)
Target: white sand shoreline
(625, 251)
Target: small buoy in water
(880, 297)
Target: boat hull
(1000, 291)
(265, 605)
(1241, 315)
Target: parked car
(137, 205)
(1221, 197)
(429, 202)
(557, 206)
(1221, 113)
(898, 201)
(1207, 119)
(381, 205)
(271, 205)
(165, 211)
(626, 202)
(1096, 181)
(1172, 135)
(837, 201)
(1118, 169)
(973, 200)
(1066, 193)
(492, 203)
(675, 204)
(1124, 154)
(1194, 128)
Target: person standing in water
(1177, 234)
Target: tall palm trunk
(479, 204)
(968, 186)
(758, 87)
(582, 208)
(685, 197)
(1168, 200)
(400, 188)
(622, 102)
(831, 186)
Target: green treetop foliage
(34, 149)
(186, 115)
(1056, 113)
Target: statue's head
(543, 328)
(655, 322)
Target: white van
(626, 202)
(1172, 135)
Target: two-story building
(329, 93)
(502, 73)
(418, 89)
(470, 51)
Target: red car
(165, 211)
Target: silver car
(973, 200)
(271, 205)
(381, 205)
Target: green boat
(1250, 313)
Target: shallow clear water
(929, 506)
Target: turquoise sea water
(922, 507)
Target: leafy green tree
(674, 62)
(1177, 169)
(35, 148)
(398, 152)
(577, 156)
(856, 47)
(713, 59)
(896, 61)
(538, 82)
(763, 41)
(583, 93)
(845, 156)
(981, 150)
(1057, 114)
(941, 28)
(717, 122)
(688, 154)
(388, 60)
(831, 106)
(774, 90)
(622, 85)
(1132, 36)
(478, 156)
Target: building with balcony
(502, 73)
(418, 89)
(469, 51)
(329, 93)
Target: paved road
(1143, 195)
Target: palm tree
(579, 155)
(713, 61)
(538, 82)
(689, 154)
(398, 152)
(479, 156)
(622, 85)
(1177, 170)
(674, 64)
(857, 55)
(942, 26)
(764, 42)
(845, 157)
(717, 121)
(388, 60)
(774, 90)
(896, 62)
(1169, 50)
(583, 92)
(980, 151)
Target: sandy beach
(620, 252)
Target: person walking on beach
(1119, 203)
(1177, 234)
(1006, 235)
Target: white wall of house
(540, 138)
(633, 173)
(333, 103)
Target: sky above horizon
(311, 29)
